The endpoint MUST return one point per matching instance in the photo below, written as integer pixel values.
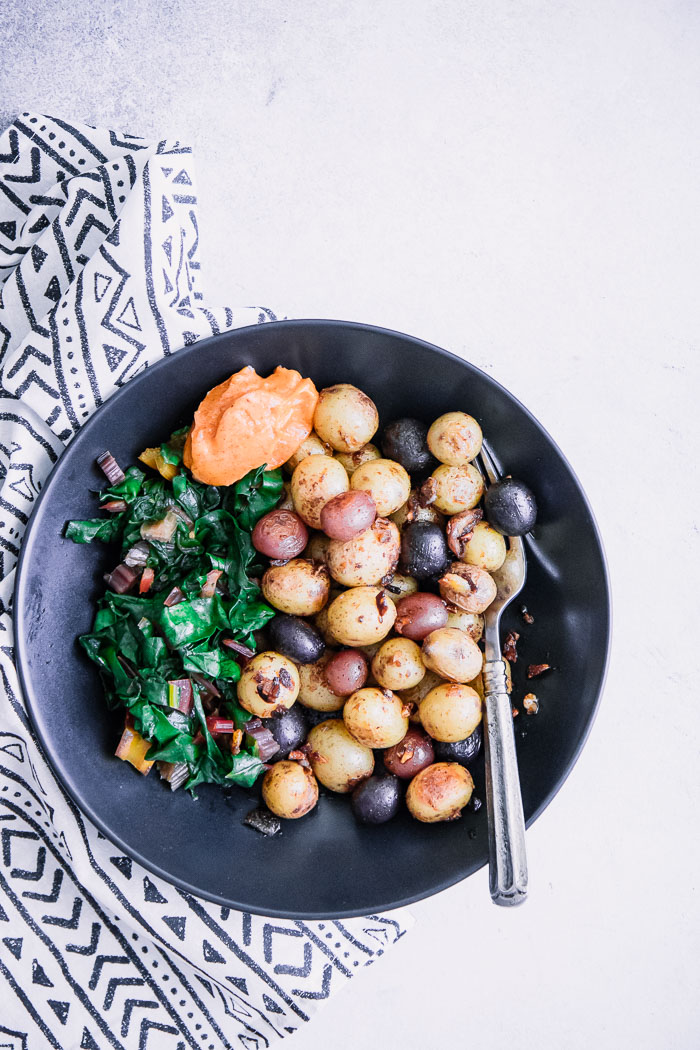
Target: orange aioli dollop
(249, 420)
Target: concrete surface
(516, 182)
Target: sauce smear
(249, 420)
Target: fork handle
(507, 856)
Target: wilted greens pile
(150, 645)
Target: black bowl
(325, 864)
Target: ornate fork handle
(507, 856)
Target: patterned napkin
(100, 277)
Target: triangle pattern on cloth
(177, 925)
(39, 976)
(122, 864)
(3, 915)
(114, 354)
(183, 179)
(151, 892)
(14, 944)
(9, 229)
(87, 1042)
(128, 315)
(239, 983)
(60, 1009)
(53, 291)
(167, 171)
(39, 257)
(14, 749)
(102, 283)
(167, 247)
(205, 984)
(167, 212)
(168, 286)
(113, 237)
(272, 1005)
(210, 953)
(21, 487)
(41, 223)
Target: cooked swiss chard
(179, 614)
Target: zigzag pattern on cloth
(100, 277)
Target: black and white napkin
(100, 277)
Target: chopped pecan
(314, 756)
(460, 528)
(531, 704)
(535, 670)
(411, 507)
(527, 616)
(510, 651)
(427, 493)
(269, 689)
(300, 757)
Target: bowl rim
(21, 655)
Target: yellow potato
(439, 792)
(268, 683)
(375, 717)
(361, 616)
(338, 760)
(452, 654)
(398, 664)
(345, 417)
(367, 558)
(289, 790)
(451, 712)
(457, 488)
(387, 483)
(315, 481)
(455, 438)
(299, 587)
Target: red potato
(346, 671)
(410, 755)
(348, 514)
(281, 535)
(419, 614)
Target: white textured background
(517, 182)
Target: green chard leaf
(211, 662)
(181, 748)
(106, 530)
(172, 449)
(128, 489)
(193, 621)
(246, 769)
(194, 498)
(140, 645)
(254, 495)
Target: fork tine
(490, 469)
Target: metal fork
(507, 855)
